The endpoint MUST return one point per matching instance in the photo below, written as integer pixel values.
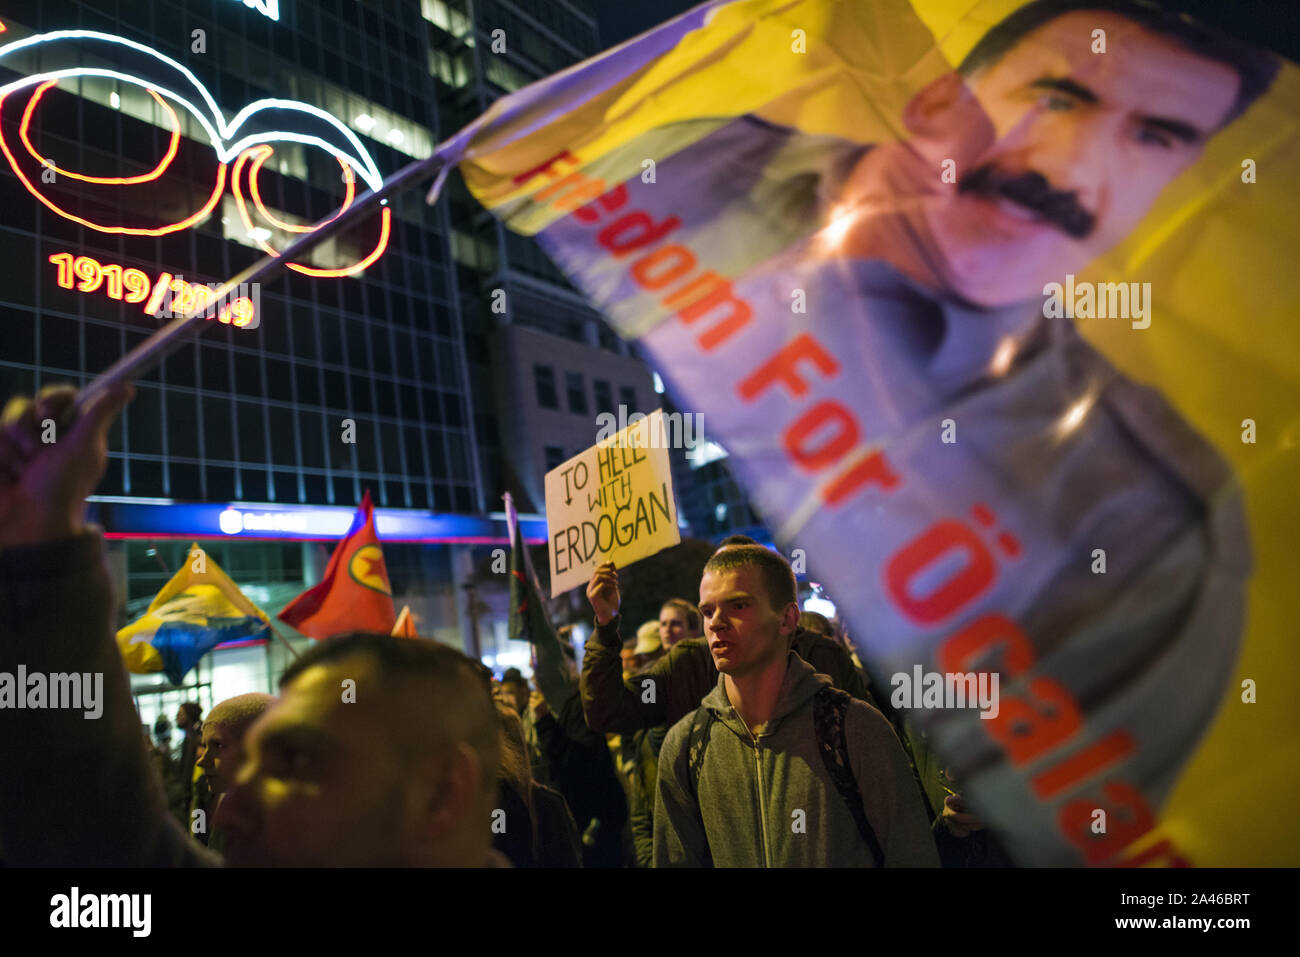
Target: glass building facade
(257, 414)
(346, 384)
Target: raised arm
(79, 788)
(611, 705)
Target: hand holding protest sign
(603, 593)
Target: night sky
(1271, 23)
(621, 20)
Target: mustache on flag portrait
(1033, 192)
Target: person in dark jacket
(189, 723)
(645, 776)
(404, 774)
(221, 753)
(532, 824)
(577, 760)
(582, 769)
(959, 834)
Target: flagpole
(270, 682)
(284, 641)
(148, 354)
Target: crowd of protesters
(732, 731)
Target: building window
(577, 392)
(627, 396)
(604, 395)
(554, 457)
(547, 397)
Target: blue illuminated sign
(124, 518)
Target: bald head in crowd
(378, 753)
(221, 749)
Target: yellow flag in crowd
(197, 610)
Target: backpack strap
(829, 708)
(656, 736)
(696, 742)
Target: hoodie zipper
(762, 808)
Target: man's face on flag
(1059, 152)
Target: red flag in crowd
(355, 594)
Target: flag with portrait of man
(989, 303)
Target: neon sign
(135, 286)
(246, 141)
(267, 8)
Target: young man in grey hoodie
(749, 780)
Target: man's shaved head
(433, 694)
(379, 752)
(221, 747)
(237, 714)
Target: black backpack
(829, 707)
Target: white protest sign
(612, 502)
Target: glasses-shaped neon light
(248, 136)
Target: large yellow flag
(991, 304)
(197, 610)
